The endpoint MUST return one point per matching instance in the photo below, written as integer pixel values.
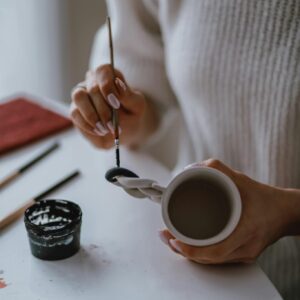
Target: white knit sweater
(225, 76)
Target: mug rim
(234, 198)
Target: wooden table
(121, 256)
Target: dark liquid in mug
(199, 209)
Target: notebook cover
(23, 121)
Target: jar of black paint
(53, 228)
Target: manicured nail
(101, 128)
(111, 127)
(98, 132)
(113, 101)
(163, 237)
(175, 245)
(121, 83)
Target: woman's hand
(266, 213)
(91, 109)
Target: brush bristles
(117, 152)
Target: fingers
(81, 123)
(103, 110)
(131, 100)
(115, 90)
(105, 142)
(214, 252)
(95, 99)
(105, 79)
(216, 164)
(121, 85)
(208, 255)
(166, 237)
(227, 261)
(87, 110)
(217, 253)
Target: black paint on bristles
(117, 156)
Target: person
(217, 82)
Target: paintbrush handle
(114, 111)
(56, 186)
(13, 175)
(35, 160)
(16, 214)
(8, 179)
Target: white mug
(201, 206)
(232, 206)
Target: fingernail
(101, 128)
(113, 101)
(98, 132)
(111, 127)
(174, 244)
(121, 83)
(163, 237)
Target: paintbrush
(16, 173)
(114, 111)
(17, 213)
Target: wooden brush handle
(8, 179)
(16, 214)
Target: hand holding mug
(263, 220)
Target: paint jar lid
(53, 228)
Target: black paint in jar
(53, 228)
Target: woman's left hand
(263, 221)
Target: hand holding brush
(105, 89)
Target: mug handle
(135, 186)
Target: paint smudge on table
(93, 246)
(2, 283)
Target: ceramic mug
(200, 206)
(196, 221)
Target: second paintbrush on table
(16, 173)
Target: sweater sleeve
(139, 54)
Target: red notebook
(23, 122)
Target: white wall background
(45, 44)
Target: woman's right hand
(91, 109)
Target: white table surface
(121, 256)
